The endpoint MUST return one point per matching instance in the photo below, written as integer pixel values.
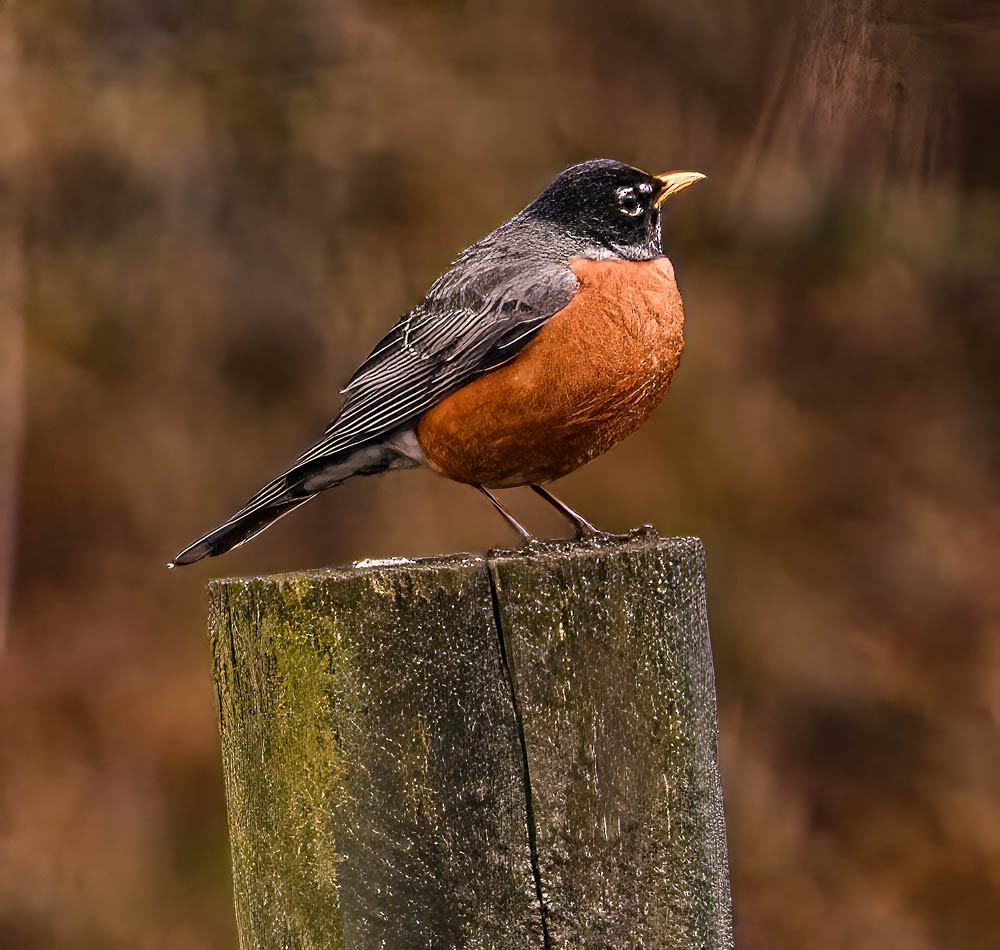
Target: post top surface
(639, 539)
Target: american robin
(543, 345)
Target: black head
(614, 207)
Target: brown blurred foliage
(209, 211)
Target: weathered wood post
(509, 751)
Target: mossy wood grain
(509, 751)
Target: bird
(540, 347)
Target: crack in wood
(509, 675)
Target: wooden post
(509, 751)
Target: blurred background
(210, 210)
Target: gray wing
(475, 317)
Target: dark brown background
(212, 208)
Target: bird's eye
(628, 201)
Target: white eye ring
(628, 201)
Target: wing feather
(475, 317)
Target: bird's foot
(590, 535)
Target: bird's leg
(584, 529)
(511, 520)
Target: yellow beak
(672, 182)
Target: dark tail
(236, 531)
(286, 493)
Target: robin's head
(614, 207)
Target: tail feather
(236, 531)
(283, 495)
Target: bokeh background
(211, 209)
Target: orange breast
(591, 376)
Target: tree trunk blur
(12, 348)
